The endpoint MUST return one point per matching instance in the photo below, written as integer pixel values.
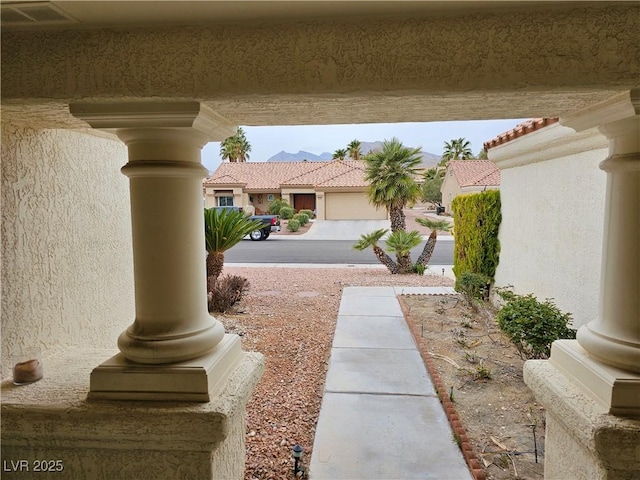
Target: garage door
(351, 206)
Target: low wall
(553, 196)
(67, 267)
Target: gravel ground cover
(289, 315)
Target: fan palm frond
(370, 239)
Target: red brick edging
(454, 420)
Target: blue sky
(267, 141)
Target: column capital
(619, 107)
(154, 115)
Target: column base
(189, 381)
(582, 439)
(52, 420)
(616, 391)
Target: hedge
(477, 220)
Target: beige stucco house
(468, 176)
(335, 190)
(94, 90)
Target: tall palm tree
(223, 228)
(228, 149)
(354, 150)
(235, 148)
(457, 149)
(243, 147)
(402, 243)
(435, 226)
(339, 154)
(371, 240)
(392, 174)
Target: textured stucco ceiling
(486, 63)
(108, 14)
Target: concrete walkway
(380, 416)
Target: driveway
(343, 229)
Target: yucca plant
(435, 226)
(371, 240)
(402, 243)
(223, 228)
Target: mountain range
(428, 159)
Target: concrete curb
(454, 419)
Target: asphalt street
(321, 252)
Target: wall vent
(34, 13)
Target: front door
(304, 201)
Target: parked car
(270, 223)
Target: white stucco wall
(552, 195)
(67, 268)
(450, 189)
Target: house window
(270, 197)
(225, 201)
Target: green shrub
(303, 218)
(477, 220)
(532, 326)
(226, 291)
(308, 213)
(419, 268)
(293, 225)
(287, 212)
(276, 205)
(473, 285)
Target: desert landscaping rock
(295, 335)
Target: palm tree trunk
(404, 263)
(427, 251)
(215, 262)
(385, 259)
(398, 221)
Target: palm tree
(435, 226)
(401, 243)
(339, 154)
(371, 240)
(243, 147)
(354, 149)
(223, 228)
(432, 173)
(457, 149)
(235, 148)
(392, 174)
(227, 149)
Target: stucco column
(614, 338)
(172, 322)
(172, 325)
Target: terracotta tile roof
(470, 173)
(354, 177)
(227, 180)
(334, 174)
(273, 175)
(520, 130)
